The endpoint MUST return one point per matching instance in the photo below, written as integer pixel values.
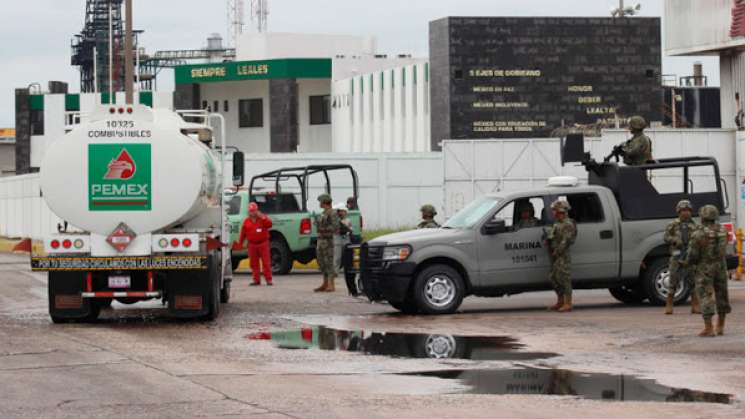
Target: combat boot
(331, 287)
(695, 306)
(669, 304)
(323, 287)
(720, 324)
(559, 303)
(708, 329)
(567, 307)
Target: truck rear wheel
(655, 282)
(281, 257)
(65, 302)
(438, 289)
(213, 296)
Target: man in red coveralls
(256, 230)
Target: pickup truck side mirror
(494, 226)
(239, 169)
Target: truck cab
(285, 195)
(495, 245)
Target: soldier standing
(637, 150)
(677, 237)
(428, 217)
(707, 251)
(327, 225)
(560, 237)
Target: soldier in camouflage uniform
(559, 238)
(327, 225)
(637, 150)
(428, 217)
(677, 236)
(706, 255)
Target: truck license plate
(119, 281)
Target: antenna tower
(260, 14)
(236, 20)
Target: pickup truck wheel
(438, 289)
(627, 295)
(281, 257)
(656, 279)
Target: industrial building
(284, 91)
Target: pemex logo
(119, 177)
(123, 167)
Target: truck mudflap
(119, 263)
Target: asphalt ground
(137, 362)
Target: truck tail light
(175, 242)
(67, 244)
(55, 244)
(306, 334)
(186, 242)
(305, 226)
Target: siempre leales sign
(119, 177)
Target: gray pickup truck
(486, 250)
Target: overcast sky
(36, 34)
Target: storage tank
(137, 168)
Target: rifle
(617, 153)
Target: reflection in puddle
(569, 383)
(402, 345)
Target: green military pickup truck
(284, 195)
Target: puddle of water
(557, 382)
(402, 345)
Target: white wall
(392, 186)
(267, 46)
(383, 111)
(23, 212)
(475, 168)
(312, 138)
(248, 140)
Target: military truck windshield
(235, 205)
(473, 213)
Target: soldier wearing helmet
(526, 213)
(558, 240)
(706, 257)
(677, 237)
(327, 225)
(428, 217)
(637, 150)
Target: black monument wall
(526, 77)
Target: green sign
(119, 177)
(296, 68)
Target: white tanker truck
(143, 189)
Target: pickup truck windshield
(472, 213)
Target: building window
(37, 122)
(250, 113)
(225, 106)
(216, 106)
(320, 110)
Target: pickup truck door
(516, 257)
(595, 253)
